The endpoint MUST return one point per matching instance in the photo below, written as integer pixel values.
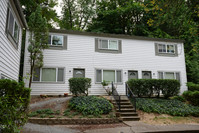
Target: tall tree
(77, 14)
(47, 9)
(117, 16)
(38, 40)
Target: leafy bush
(79, 85)
(192, 97)
(163, 106)
(150, 87)
(180, 98)
(90, 105)
(192, 87)
(14, 101)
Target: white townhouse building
(107, 57)
(12, 22)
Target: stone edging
(68, 121)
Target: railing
(116, 96)
(130, 95)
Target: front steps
(127, 112)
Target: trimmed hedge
(192, 87)
(150, 87)
(192, 97)
(90, 105)
(14, 101)
(79, 85)
(164, 106)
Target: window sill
(48, 82)
(167, 54)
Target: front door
(132, 74)
(78, 73)
(146, 74)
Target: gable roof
(115, 35)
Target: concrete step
(126, 106)
(125, 110)
(123, 103)
(130, 118)
(128, 114)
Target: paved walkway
(58, 102)
(35, 128)
(132, 127)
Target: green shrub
(150, 87)
(90, 105)
(79, 85)
(164, 106)
(192, 97)
(192, 87)
(180, 98)
(14, 101)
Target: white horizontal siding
(136, 55)
(10, 56)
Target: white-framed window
(56, 40)
(12, 26)
(108, 75)
(108, 44)
(169, 75)
(48, 74)
(166, 48)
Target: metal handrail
(116, 96)
(130, 94)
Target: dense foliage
(47, 6)
(192, 97)
(79, 85)
(151, 87)
(90, 105)
(192, 87)
(14, 101)
(163, 106)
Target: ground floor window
(169, 75)
(108, 75)
(48, 75)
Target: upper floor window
(12, 28)
(108, 44)
(55, 40)
(166, 49)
